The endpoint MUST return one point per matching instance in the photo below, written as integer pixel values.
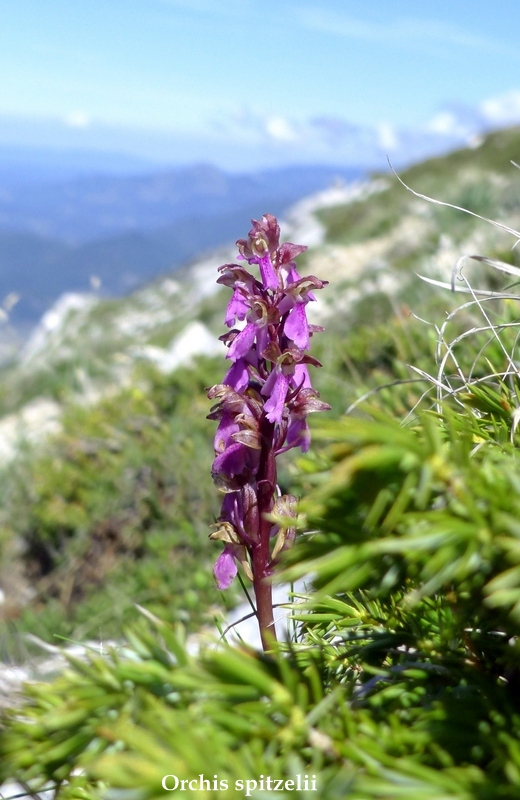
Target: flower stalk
(261, 408)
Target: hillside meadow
(401, 678)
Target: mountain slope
(100, 374)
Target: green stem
(261, 551)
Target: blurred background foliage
(115, 511)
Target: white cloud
(280, 129)
(503, 109)
(334, 139)
(387, 136)
(445, 123)
(77, 119)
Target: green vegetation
(115, 511)
(402, 677)
(482, 181)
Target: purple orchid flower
(261, 406)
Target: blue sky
(246, 80)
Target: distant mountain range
(22, 166)
(117, 230)
(96, 206)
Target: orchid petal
(275, 404)
(237, 376)
(231, 461)
(242, 343)
(296, 326)
(299, 435)
(267, 273)
(301, 377)
(237, 308)
(227, 426)
(225, 568)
